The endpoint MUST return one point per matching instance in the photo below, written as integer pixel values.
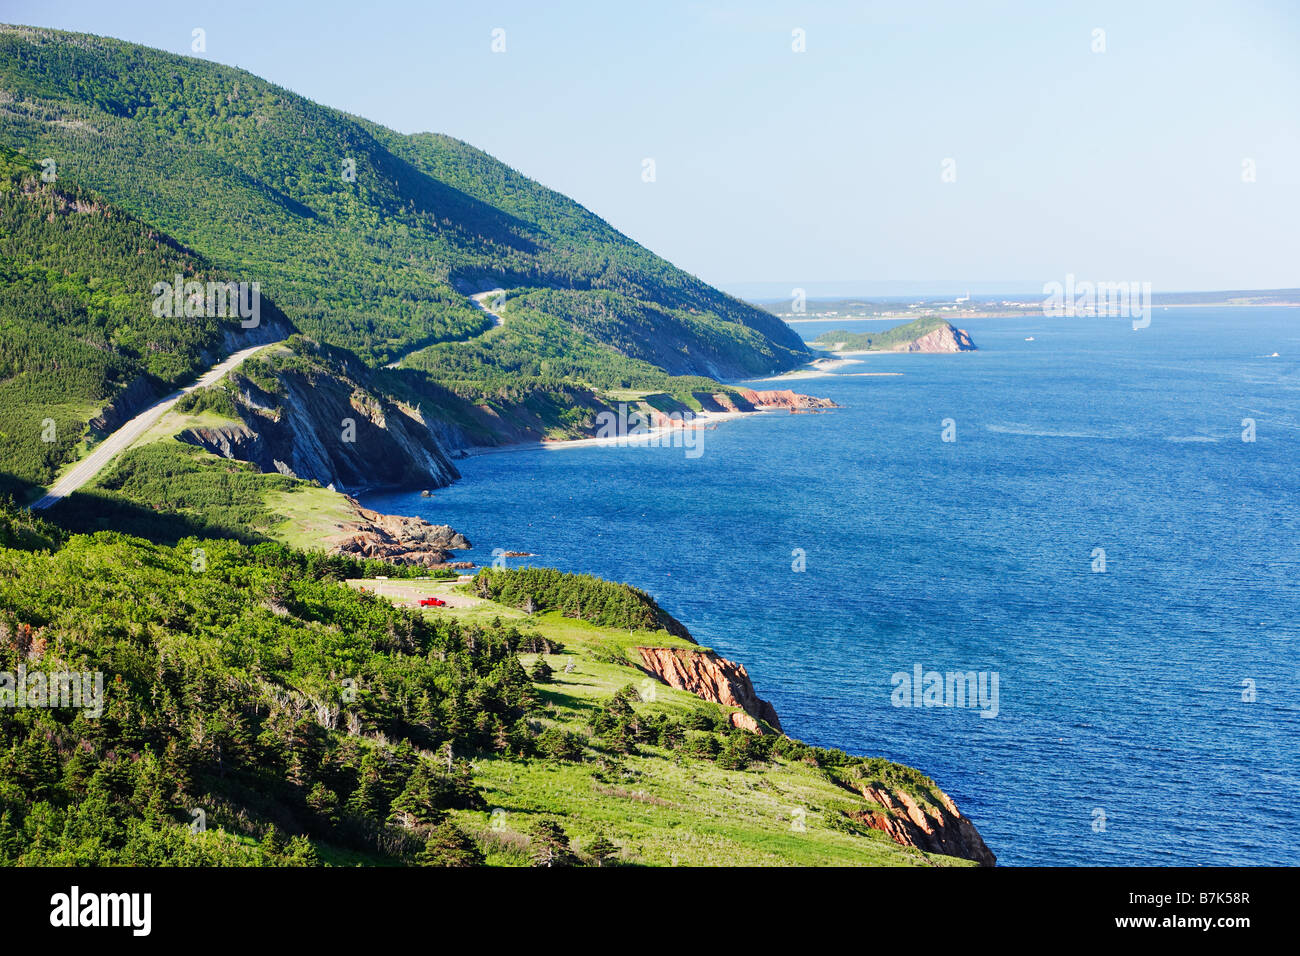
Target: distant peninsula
(927, 334)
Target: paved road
(497, 296)
(91, 465)
(480, 299)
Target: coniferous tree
(447, 845)
(549, 845)
(601, 852)
(541, 672)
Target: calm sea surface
(1120, 693)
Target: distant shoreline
(1024, 313)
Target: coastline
(859, 354)
(817, 368)
(830, 363)
(649, 436)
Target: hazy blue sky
(800, 168)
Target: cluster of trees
(706, 734)
(246, 690)
(580, 596)
(20, 528)
(166, 490)
(219, 399)
(321, 566)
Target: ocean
(1098, 535)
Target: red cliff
(933, 828)
(784, 398)
(714, 678)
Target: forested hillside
(76, 326)
(285, 707)
(366, 238)
(253, 709)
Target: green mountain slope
(367, 239)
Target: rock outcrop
(714, 678)
(395, 538)
(784, 398)
(126, 404)
(943, 339)
(330, 429)
(933, 828)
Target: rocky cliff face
(320, 414)
(784, 398)
(714, 678)
(933, 825)
(943, 339)
(329, 429)
(935, 829)
(128, 403)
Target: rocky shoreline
(398, 539)
(929, 823)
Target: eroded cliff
(946, 338)
(321, 425)
(930, 826)
(714, 678)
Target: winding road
(497, 296)
(480, 299)
(119, 440)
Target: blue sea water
(1120, 692)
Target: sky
(999, 144)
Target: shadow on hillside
(558, 698)
(86, 512)
(465, 214)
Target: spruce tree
(549, 845)
(541, 672)
(447, 845)
(601, 852)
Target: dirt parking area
(407, 592)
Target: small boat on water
(1030, 339)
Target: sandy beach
(826, 367)
(650, 436)
(814, 369)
